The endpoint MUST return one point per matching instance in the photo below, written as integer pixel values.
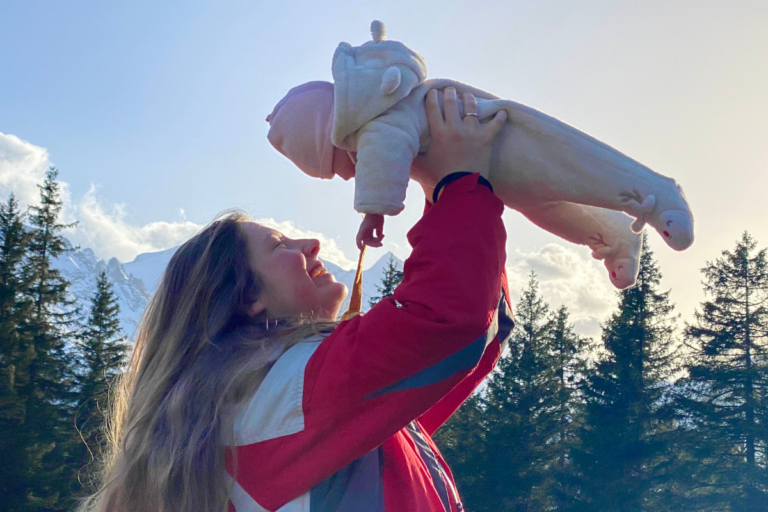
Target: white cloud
(567, 276)
(109, 235)
(104, 228)
(22, 169)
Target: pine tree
(727, 399)
(389, 281)
(525, 421)
(103, 351)
(522, 412)
(569, 364)
(48, 390)
(628, 433)
(14, 356)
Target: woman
(244, 394)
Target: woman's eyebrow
(273, 237)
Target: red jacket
(343, 424)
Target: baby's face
(343, 164)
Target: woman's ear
(256, 308)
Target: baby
(371, 124)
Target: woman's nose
(311, 247)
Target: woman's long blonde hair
(197, 356)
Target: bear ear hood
(369, 79)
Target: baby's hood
(300, 129)
(369, 79)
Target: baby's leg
(547, 160)
(606, 232)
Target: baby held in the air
(371, 124)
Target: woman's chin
(341, 292)
(337, 298)
(329, 295)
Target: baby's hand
(372, 222)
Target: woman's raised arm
(380, 371)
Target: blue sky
(154, 111)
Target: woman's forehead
(258, 233)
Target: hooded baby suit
(561, 179)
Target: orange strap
(356, 301)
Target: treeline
(654, 417)
(56, 362)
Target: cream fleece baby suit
(560, 178)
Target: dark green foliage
(569, 363)
(50, 391)
(628, 431)
(522, 411)
(726, 395)
(37, 362)
(15, 356)
(389, 281)
(103, 352)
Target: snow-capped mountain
(81, 267)
(134, 282)
(149, 267)
(371, 279)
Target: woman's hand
(457, 144)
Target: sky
(153, 112)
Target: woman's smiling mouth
(318, 271)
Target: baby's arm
(372, 223)
(386, 148)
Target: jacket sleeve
(439, 413)
(379, 371)
(385, 150)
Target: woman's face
(294, 282)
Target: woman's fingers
(457, 144)
(434, 114)
(451, 104)
(470, 109)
